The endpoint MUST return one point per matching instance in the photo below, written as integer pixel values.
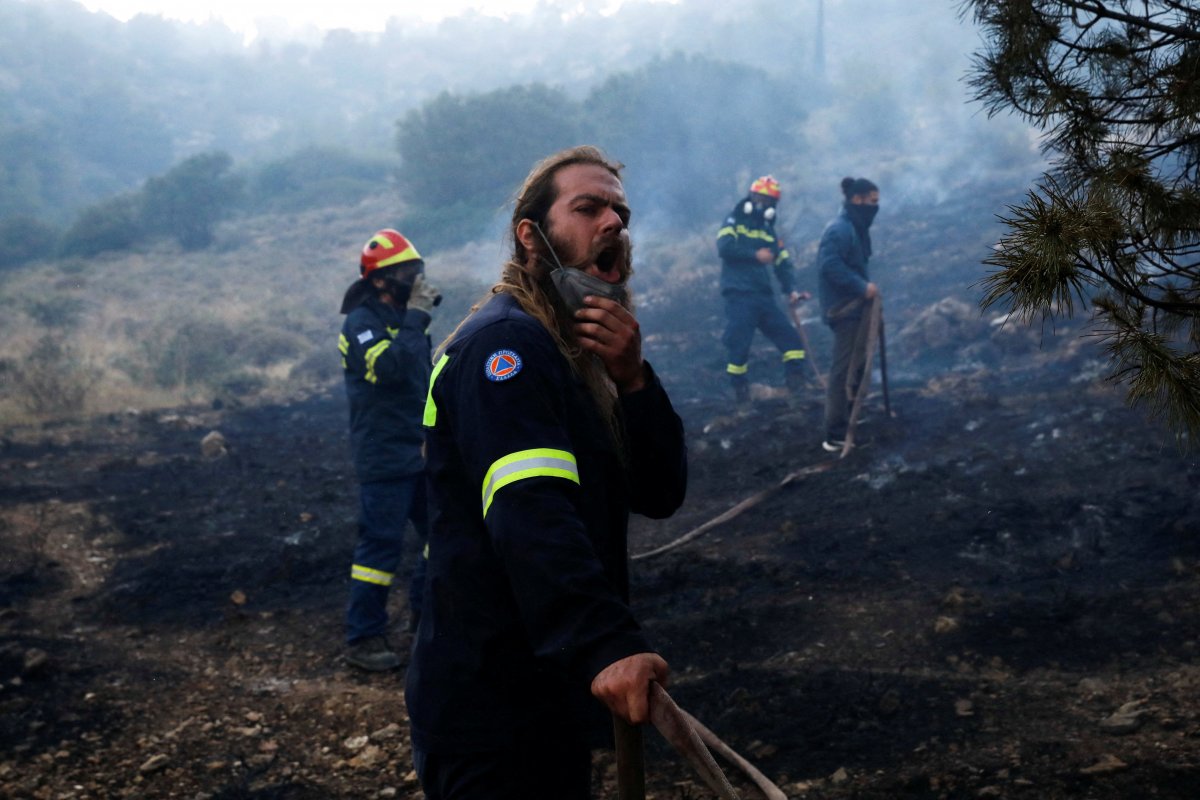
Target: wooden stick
(794, 313)
(868, 330)
(631, 760)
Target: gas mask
(574, 284)
(749, 206)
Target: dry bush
(55, 379)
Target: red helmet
(766, 185)
(385, 249)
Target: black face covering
(399, 289)
(862, 215)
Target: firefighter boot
(372, 653)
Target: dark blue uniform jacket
(385, 358)
(528, 577)
(841, 264)
(741, 235)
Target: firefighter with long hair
(545, 428)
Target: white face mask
(574, 284)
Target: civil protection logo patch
(502, 365)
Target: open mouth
(608, 258)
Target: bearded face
(608, 256)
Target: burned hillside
(996, 595)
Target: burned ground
(995, 596)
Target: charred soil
(996, 595)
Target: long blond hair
(526, 277)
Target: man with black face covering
(749, 247)
(386, 362)
(845, 286)
(545, 428)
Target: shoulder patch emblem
(502, 365)
(365, 337)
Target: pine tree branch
(1190, 35)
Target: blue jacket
(385, 358)
(740, 237)
(527, 573)
(842, 265)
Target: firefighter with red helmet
(386, 363)
(750, 251)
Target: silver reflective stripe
(538, 463)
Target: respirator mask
(749, 206)
(574, 284)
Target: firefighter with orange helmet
(386, 363)
(750, 252)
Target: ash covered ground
(996, 595)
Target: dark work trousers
(847, 340)
(746, 312)
(545, 770)
(385, 507)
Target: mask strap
(549, 246)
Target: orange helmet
(385, 249)
(766, 185)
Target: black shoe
(373, 654)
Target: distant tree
(114, 224)
(118, 133)
(686, 126)
(24, 239)
(1116, 86)
(189, 200)
(34, 169)
(315, 177)
(475, 149)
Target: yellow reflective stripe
(537, 463)
(368, 575)
(792, 355)
(726, 231)
(742, 230)
(737, 369)
(371, 357)
(343, 344)
(430, 418)
(783, 255)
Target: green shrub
(111, 225)
(317, 177)
(24, 239)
